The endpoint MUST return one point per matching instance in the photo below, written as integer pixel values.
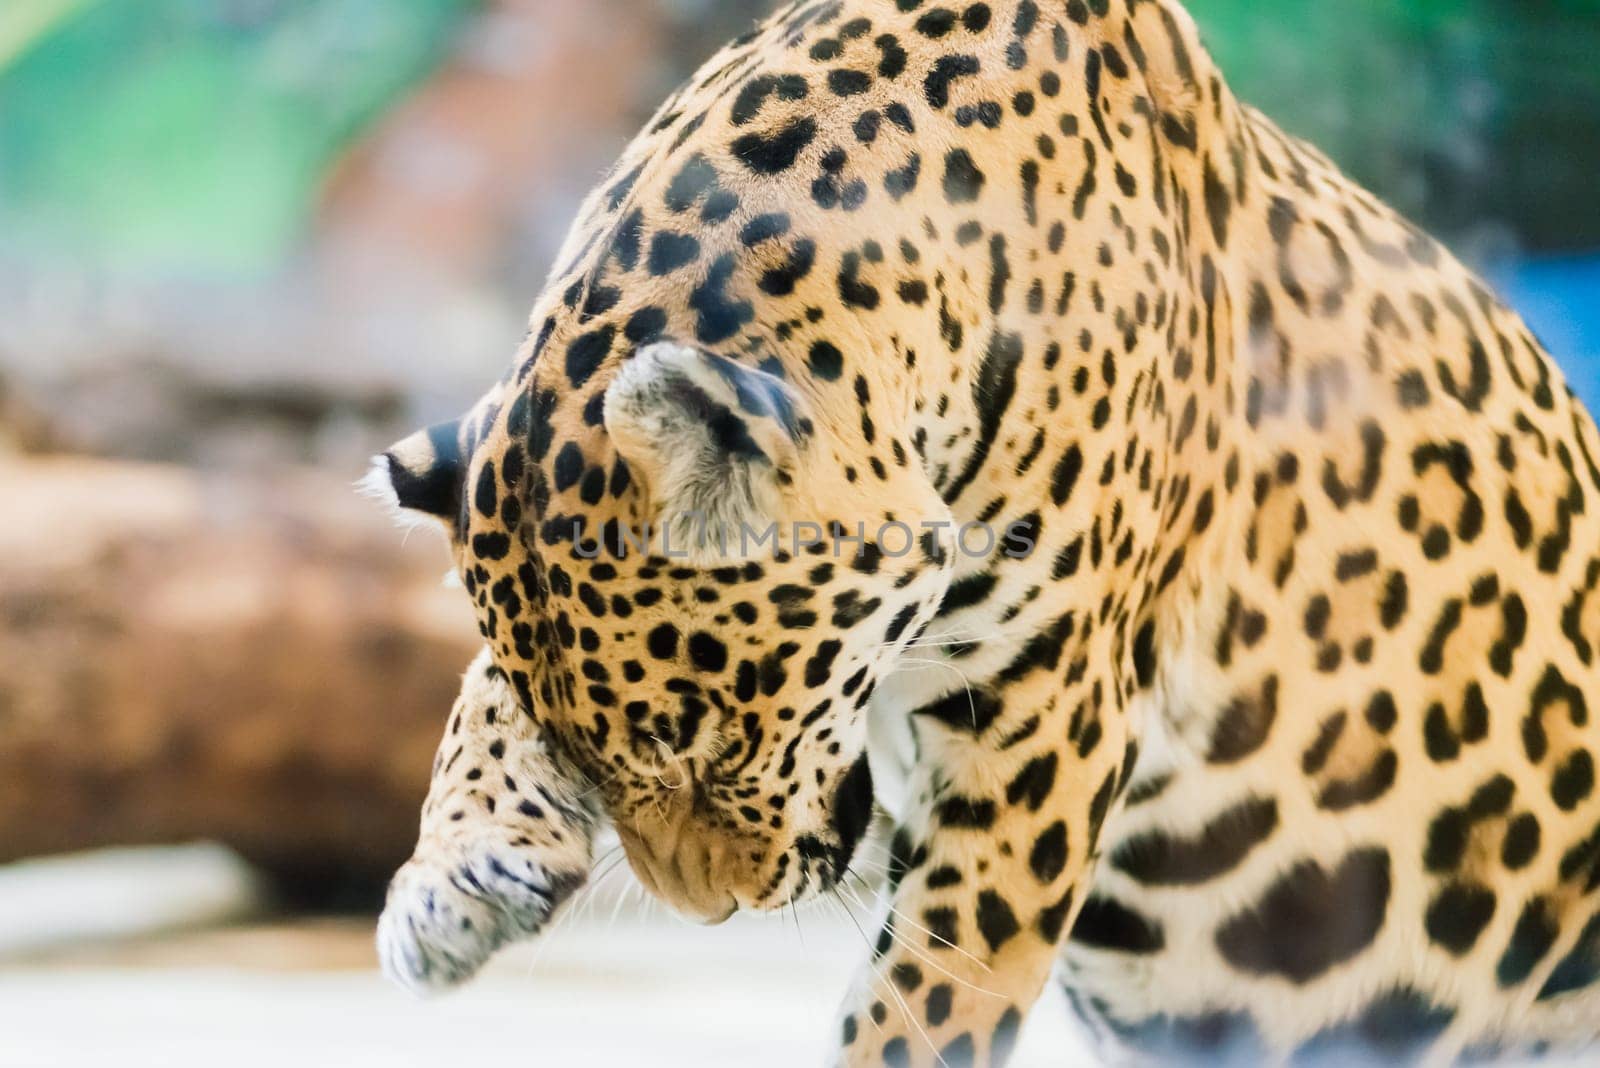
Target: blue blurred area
(1560, 299)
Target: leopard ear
(422, 473)
(706, 435)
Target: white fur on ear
(712, 442)
(378, 485)
(423, 472)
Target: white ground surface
(612, 985)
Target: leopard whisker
(893, 990)
(901, 940)
(972, 703)
(914, 925)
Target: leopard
(1192, 556)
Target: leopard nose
(711, 911)
(684, 871)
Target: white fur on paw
(442, 923)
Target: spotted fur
(1271, 728)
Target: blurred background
(246, 243)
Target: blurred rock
(115, 895)
(259, 660)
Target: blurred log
(22, 427)
(255, 660)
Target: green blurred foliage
(1458, 111)
(195, 132)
